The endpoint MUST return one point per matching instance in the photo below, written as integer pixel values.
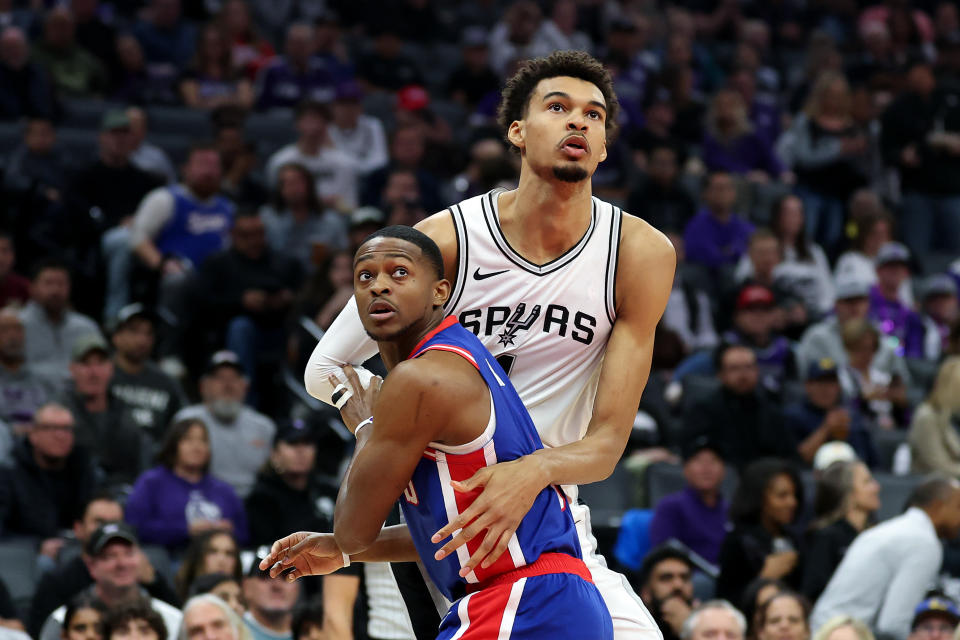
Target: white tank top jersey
(547, 325)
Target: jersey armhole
(477, 443)
(613, 260)
(460, 230)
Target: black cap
(108, 532)
(223, 359)
(698, 444)
(295, 431)
(132, 311)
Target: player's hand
(360, 405)
(508, 490)
(303, 554)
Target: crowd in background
(184, 183)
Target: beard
(391, 337)
(570, 173)
(225, 410)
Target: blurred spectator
(137, 82)
(761, 260)
(105, 195)
(739, 416)
(354, 133)
(873, 232)
(93, 33)
(843, 628)
(846, 497)
(144, 155)
(166, 37)
(213, 552)
(934, 440)
(762, 109)
(717, 236)
(17, 16)
(106, 426)
(561, 28)
(825, 339)
(689, 311)
(473, 79)
(247, 291)
(894, 318)
(27, 91)
(179, 499)
(308, 621)
(657, 130)
(334, 171)
(225, 587)
(940, 308)
(880, 394)
(519, 35)
(755, 596)
(660, 199)
(762, 543)
(14, 288)
(889, 566)
(271, 603)
(134, 619)
(36, 171)
(385, 67)
(822, 417)
(297, 224)
(784, 617)
(804, 269)
(730, 143)
(921, 137)
(52, 329)
(241, 182)
(82, 618)
(22, 391)
(828, 152)
(239, 436)
(715, 619)
(401, 198)
(296, 76)
(209, 616)
(665, 581)
(287, 496)
(113, 556)
(153, 395)
(935, 617)
(407, 149)
(754, 326)
(330, 289)
(212, 81)
(74, 70)
(697, 515)
(249, 52)
(46, 482)
(330, 45)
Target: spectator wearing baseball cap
(239, 436)
(935, 618)
(755, 320)
(114, 559)
(891, 316)
(822, 416)
(939, 311)
(353, 132)
(154, 396)
(697, 514)
(473, 79)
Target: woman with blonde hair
(934, 440)
(843, 628)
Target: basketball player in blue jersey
(446, 409)
(566, 291)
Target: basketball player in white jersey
(566, 291)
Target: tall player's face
(562, 136)
(396, 288)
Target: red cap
(413, 98)
(755, 295)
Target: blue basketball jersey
(196, 229)
(429, 502)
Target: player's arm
(346, 343)
(644, 281)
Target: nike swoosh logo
(483, 276)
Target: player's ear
(441, 292)
(515, 134)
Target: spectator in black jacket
(739, 414)
(660, 200)
(286, 496)
(846, 496)
(47, 480)
(762, 543)
(26, 88)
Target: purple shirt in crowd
(895, 319)
(712, 243)
(684, 516)
(162, 503)
(747, 153)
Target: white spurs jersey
(547, 325)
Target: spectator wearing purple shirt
(697, 515)
(887, 312)
(730, 142)
(297, 76)
(179, 499)
(716, 236)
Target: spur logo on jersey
(506, 322)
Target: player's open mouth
(575, 146)
(381, 310)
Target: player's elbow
(351, 540)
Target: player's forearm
(394, 544)
(591, 459)
(345, 342)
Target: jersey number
(506, 361)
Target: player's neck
(542, 219)
(395, 351)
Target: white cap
(830, 452)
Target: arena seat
(18, 569)
(894, 493)
(609, 499)
(922, 373)
(886, 442)
(192, 123)
(79, 113)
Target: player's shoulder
(445, 375)
(642, 242)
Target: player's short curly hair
(576, 64)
